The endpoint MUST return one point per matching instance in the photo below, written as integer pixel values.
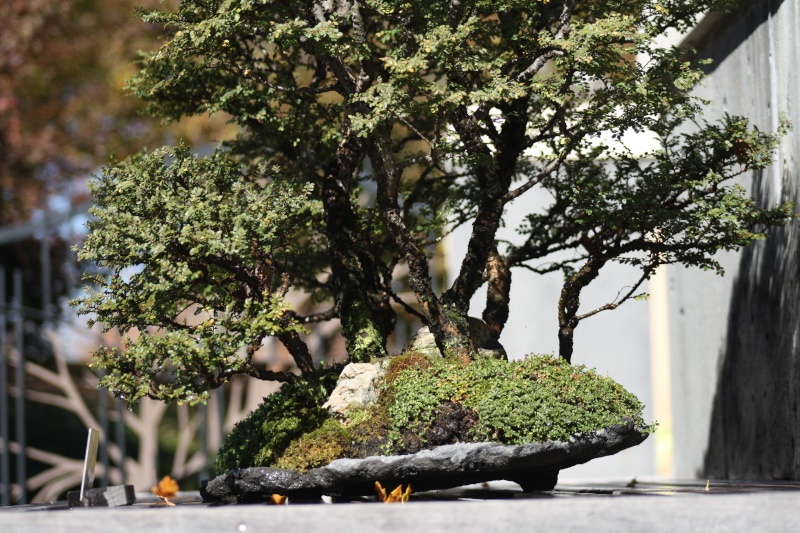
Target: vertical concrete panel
(735, 343)
(700, 300)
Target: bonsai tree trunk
(498, 293)
(569, 302)
(364, 309)
(448, 324)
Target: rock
(252, 484)
(492, 349)
(424, 343)
(479, 332)
(356, 386)
(533, 466)
(114, 496)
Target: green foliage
(367, 130)
(329, 442)
(625, 206)
(537, 399)
(191, 263)
(285, 416)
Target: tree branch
(498, 294)
(535, 180)
(323, 316)
(268, 375)
(410, 310)
(615, 304)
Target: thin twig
(615, 304)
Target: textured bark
(487, 221)
(493, 173)
(569, 302)
(365, 310)
(448, 325)
(299, 352)
(498, 294)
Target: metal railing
(15, 320)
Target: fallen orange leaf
(166, 500)
(277, 499)
(381, 491)
(396, 496)
(165, 489)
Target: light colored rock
(356, 387)
(424, 343)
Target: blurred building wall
(735, 340)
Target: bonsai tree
(368, 129)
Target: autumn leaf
(278, 499)
(166, 488)
(396, 496)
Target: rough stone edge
(534, 466)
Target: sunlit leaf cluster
(194, 251)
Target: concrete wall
(735, 341)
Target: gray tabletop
(596, 507)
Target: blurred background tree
(63, 64)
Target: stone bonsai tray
(533, 466)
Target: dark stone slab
(114, 496)
(533, 466)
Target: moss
(362, 335)
(261, 438)
(328, 442)
(428, 402)
(537, 399)
(368, 427)
(405, 361)
(451, 423)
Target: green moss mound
(425, 403)
(328, 442)
(537, 399)
(261, 438)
